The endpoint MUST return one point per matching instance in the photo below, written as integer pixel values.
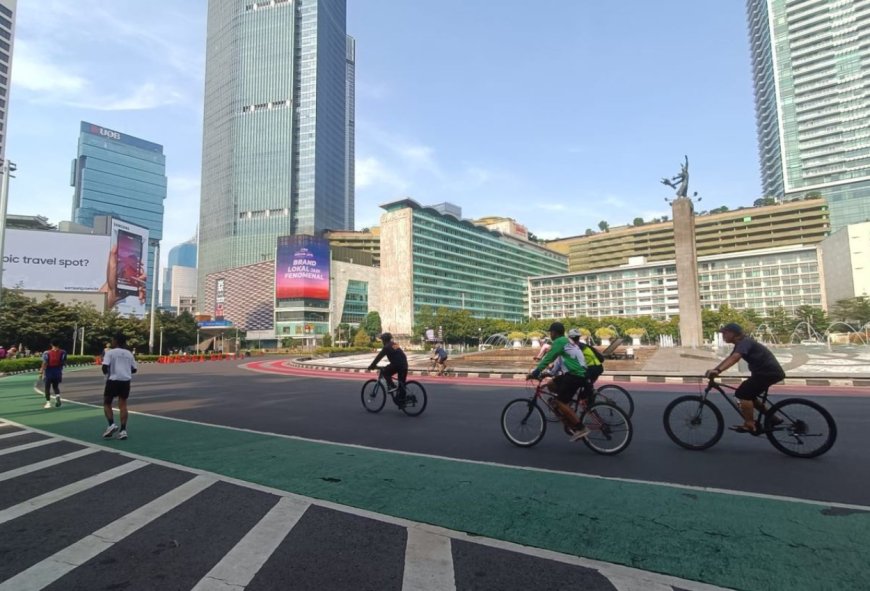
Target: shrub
(34, 363)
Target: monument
(691, 333)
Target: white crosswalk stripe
(428, 562)
(26, 446)
(51, 569)
(35, 467)
(69, 490)
(14, 434)
(239, 565)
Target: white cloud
(32, 71)
(552, 206)
(147, 96)
(372, 173)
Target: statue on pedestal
(680, 182)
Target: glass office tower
(122, 176)
(811, 69)
(181, 255)
(276, 119)
(7, 37)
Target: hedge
(34, 363)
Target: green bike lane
(732, 540)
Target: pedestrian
(51, 372)
(118, 367)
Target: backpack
(597, 353)
(55, 358)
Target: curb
(606, 377)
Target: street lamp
(161, 341)
(156, 245)
(6, 169)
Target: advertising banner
(127, 269)
(54, 261)
(219, 299)
(302, 268)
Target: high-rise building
(7, 38)
(350, 137)
(276, 152)
(118, 175)
(811, 69)
(182, 256)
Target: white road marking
(239, 566)
(15, 434)
(15, 473)
(26, 446)
(69, 490)
(428, 562)
(54, 567)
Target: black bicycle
(605, 394)
(374, 395)
(796, 427)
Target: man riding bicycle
(594, 361)
(439, 359)
(398, 365)
(764, 371)
(565, 385)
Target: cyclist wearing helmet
(566, 384)
(764, 371)
(398, 364)
(594, 364)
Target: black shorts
(566, 385)
(116, 389)
(755, 385)
(593, 372)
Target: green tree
(326, 341)
(852, 310)
(603, 226)
(638, 221)
(589, 232)
(815, 317)
(361, 338)
(371, 324)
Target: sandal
(742, 429)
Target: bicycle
(606, 394)
(524, 423)
(374, 395)
(791, 425)
(433, 369)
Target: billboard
(219, 298)
(302, 268)
(127, 269)
(37, 260)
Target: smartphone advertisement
(128, 269)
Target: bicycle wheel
(373, 396)
(616, 395)
(609, 427)
(415, 399)
(693, 423)
(523, 422)
(800, 428)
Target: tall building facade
(118, 175)
(275, 155)
(811, 70)
(182, 256)
(7, 38)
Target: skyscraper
(7, 37)
(811, 69)
(118, 175)
(275, 135)
(182, 256)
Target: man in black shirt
(764, 371)
(398, 364)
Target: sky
(557, 113)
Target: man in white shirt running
(119, 365)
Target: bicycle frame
(718, 387)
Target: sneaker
(110, 430)
(57, 400)
(579, 433)
(47, 404)
(122, 434)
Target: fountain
(498, 340)
(809, 336)
(830, 337)
(763, 333)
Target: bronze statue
(680, 183)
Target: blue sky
(558, 113)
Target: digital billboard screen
(302, 268)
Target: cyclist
(546, 345)
(573, 378)
(398, 365)
(439, 358)
(594, 361)
(764, 371)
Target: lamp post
(6, 169)
(160, 352)
(156, 245)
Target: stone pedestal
(691, 333)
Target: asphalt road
(462, 421)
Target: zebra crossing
(74, 516)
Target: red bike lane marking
(284, 367)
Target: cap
(557, 327)
(731, 327)
(573, 334)
(385, 336)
